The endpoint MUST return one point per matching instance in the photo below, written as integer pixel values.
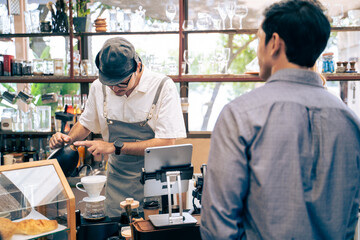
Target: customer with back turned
(284, 158)
(133, 108)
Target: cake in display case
(35, 201)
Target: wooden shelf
(7, 37)
(123, 33)
(254, 31)
(217, 78)
(16, 35)
(255, 78)
(226, 31)
(175, 78)
(342, 76)
(46, 79)
(26, 133)
(345, 29)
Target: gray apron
(124, 171)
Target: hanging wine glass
(170, 12)
(242, 12)
(222, 13)
(188, 58)
(230, 10)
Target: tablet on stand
(163, 167)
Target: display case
(38, 190)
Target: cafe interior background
(207, 47)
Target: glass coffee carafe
(94, 208)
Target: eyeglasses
(124, 84)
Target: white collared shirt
(167, 121)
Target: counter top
(144, 230)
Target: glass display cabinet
(38, 190)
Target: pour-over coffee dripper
(92, 184)
(94, 203)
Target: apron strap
(105, 113)
(156, 98)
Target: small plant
(81, 8)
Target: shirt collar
(143, 85)
(301, 76)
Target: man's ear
(139, 66)
(276, 44)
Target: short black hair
(302, 25)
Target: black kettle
(68, 158)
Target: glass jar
(58, 67)
(38, 68)
(76, 70)
(48, 67)
(45, 26)
(328, 63)
(17, 67)
(85, 67)
(27, 68)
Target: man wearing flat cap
(133, 108)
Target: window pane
(206, 101)
(210, 57)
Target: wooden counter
(144, 230)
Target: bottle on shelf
(84, 100)
(14, 148)
(33, 155)
(77, 107)
(47, 147)
(23, 149)
(42, 154)
(60, 105)
(77, 104)
(4, 149)
(68, 104)
(59, 108)
(69, 109)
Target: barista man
(133, 108)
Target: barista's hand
(58, 139)
(97, 147)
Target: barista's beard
(120, 93)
